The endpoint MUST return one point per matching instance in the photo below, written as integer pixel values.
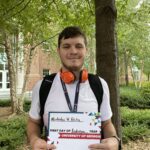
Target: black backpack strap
(96, 87)
(43, 93)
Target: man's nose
(73, 49)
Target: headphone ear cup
(84, 75)
(67, 77)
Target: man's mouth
(73, 58)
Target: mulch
(5, 112)
(138, 145)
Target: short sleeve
(34, 111)
(105, 109)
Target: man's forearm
(108, 129)
(33, 130)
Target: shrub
(145, 91)
(134, 132)
(5, 103)
(26, 105)
(131, 97)
(130, 116)
(135, 123)
(12, 133)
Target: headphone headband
(69, 77)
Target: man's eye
(79, 46)
(66, 46)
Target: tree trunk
(126, 68)
(17, 57)
(18, 68)
(12, 73)
(106, 53)
(91, 51)
(134, 80)
(141, 73)
(27, 72)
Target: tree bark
(26, 76)
(107, 55)
(134, 80)
(141, 73)
(126, 68)
(11, 70)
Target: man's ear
(58, 49)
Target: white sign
(74, 131)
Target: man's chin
(74, 68)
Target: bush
(12, 133)
(129, 116)
(135, 123)
(5, 103)
(134, 132)
(26, 105)
(132, 98)
(145, 91)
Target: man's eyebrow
(79, 44)
(65, 44)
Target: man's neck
(76, 73)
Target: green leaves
(12, 133)
(135, 123)
(45, 18)
(133, 31)
(133, 98)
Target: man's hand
(106, 144)
(40, 144)
(33, 132)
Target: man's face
(72, 53)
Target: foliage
(135, 116)
(145, 91)
(26, 105)
(12, 133)
(5, 103)
(132, 97)
(27, 24)
(134, 132)
(133, 33)
(39, 20)
(135, 123)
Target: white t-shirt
(56, 100)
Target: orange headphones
(69, 77)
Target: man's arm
(108, 129)
(33, 130)
(33, 133)
(109, 142)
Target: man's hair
(71, 32)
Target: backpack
(46, 84)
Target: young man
(72, 49)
